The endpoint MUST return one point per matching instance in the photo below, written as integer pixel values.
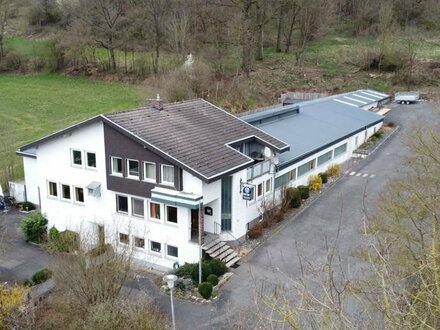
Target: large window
(121, 204)
(172, 251)
(306, 168)
(116, 166)
(155, 247)
(340, 150)
(325, 158)
(79, 195)
(133, 168)
(167, 174)
(291, 175)
(139, 242)
(226, 204)
(91, 159)
(154, 210)
(172, 214)
(53, 189)
(65, 191)
(149, 171)
(77, 157)
(137, 206)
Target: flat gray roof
(318, 124)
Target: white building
(138, 177)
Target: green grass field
(32, 106)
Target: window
(121, 204)
(116, 166)
(305, 168)
(154, 210)
(340, 150)
(79, 195)
(291, 175)
(260, 190)
(133, 168)
(139, 242)
(76, 157)
(167, 174)
(123, 238)
(172, 251)
(268, 184)
(53, 189)
(150, 171)
(65, 191)
(172, 214)
(282, 180)
(155, 247)
(325, 158)
(226, 204)
(91, 159)
(137, 206)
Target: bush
(66, 241)
(181, 286)
(378, 134)
(12, 61)
(213, 279)
(315, 182)
(256, 231)
(27, 206)
(186, 270)
(287, 198)
(324, 177)
(334, 170)
(34, 227)
(218, 267)
(295, 201)
(206, 271)
(205, 290)
(41, 276)
(304, 191)
(279, 216)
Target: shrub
(334, 170)
(218, 267)
(378, 134)
(324, 177)
(213, 279)
(304, 191)
(295, 201)
(41, 276)
(279, 216)
(287, 198)
(256, 231)
(34, 227)
(27, 206)
(206, 271)
(186, 270)
(315, 182)
(181, 286)
(205, 290)
(65, 241)
(391, 124)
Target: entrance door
(194, 224)
(101, 236)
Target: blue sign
(248, 192)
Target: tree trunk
(112, 59)
(279, 29)
(289, 36)
(156, 60)
(1, 47)
(260, 54)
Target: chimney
(156, 103)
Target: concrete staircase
(220, 250)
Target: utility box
(17, 189)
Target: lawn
(32, 106)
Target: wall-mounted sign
(248, 192)
(208, 210)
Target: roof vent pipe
(156, 103)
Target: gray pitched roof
(195, 134)
(318, 124)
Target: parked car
(407, 97)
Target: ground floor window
(155, 210)
(325, 158)
(260, 190)
(268, 184)
(79, 195)
(226, 224)
(137, 207)
(306, 168)
(172, 251)
(53, 189)
(139, 242)
(121, 204)
(155, 247)
(172, 214)
(123, 238)
(341, 149)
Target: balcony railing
(258, 169)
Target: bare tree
(5, 6)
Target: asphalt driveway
(18, 260)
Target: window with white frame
(340, 150)
(306, 168)
(155, 247)
(91, 159)
(53, 189)
(65, 191)
(77, 157)
(268, 185)
(150, 171)
(133, 168)
(121, 204)
(171, 214)
(124, 238)
(291, 175)
(116, 163)
(259, 190)
(79, 195)
(172, 251)
(167, 174)
(325, 158)
(139, 242)
(137, 207)
(155, 211)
